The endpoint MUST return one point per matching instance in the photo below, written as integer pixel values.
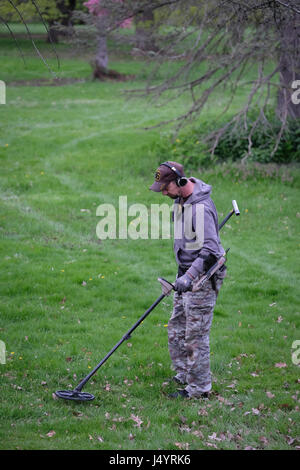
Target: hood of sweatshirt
(201, 192)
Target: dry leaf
(182, 445)
(290, 440)
(254, 374)
(214, 437)
(280, 364)
(264, 440)
(51, 433)
(137, 420)
(231, 385)
(202, 412)
(209, 444)
(270, 395)
(198, 434)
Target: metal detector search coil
(74, 395)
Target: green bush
(189, 147)
(233, 145)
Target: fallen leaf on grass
(225, 401)
(51, 433)
(185, 428)
(290, 440)
(264, 440)
(210, 444)
(270, 394)
(137, 420)
(255, 411)
(182, 445)
(214, 437)
(198, 434)
(280, 364)
(233, 385)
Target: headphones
(181, 180)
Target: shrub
(189, 147)
(233, 145)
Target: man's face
(171, 190)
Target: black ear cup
(182, 181)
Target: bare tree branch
(31, 38)
(14, 38)
(49, 35)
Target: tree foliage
(216, 48)
(219, 47)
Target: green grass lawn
(67, 297)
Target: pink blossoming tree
(101, 18)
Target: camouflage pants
(188, 336)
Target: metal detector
(167, 287)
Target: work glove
(183, 283)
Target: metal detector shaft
(124, 338)
(234, 210)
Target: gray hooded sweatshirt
(196, 232)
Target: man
(197, 246)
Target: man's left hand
(183, 283)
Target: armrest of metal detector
(166, 286)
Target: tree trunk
(143, 30)
(102, 53)
(289, 69)
(52, 35)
